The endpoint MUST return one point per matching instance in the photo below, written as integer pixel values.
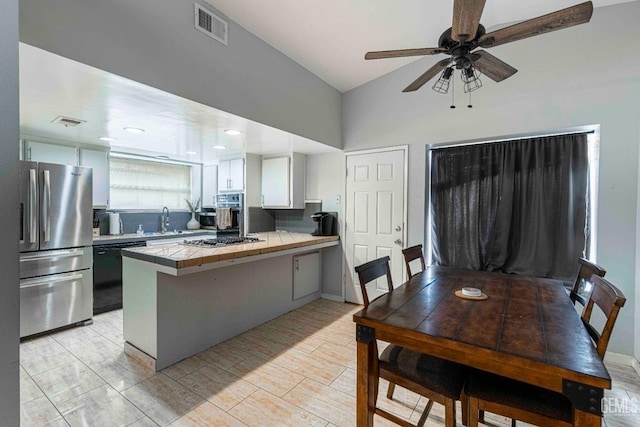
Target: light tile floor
(296, 370)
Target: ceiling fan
(467, 34)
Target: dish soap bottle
(140, 231)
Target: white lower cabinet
(307, 272)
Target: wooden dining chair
(436, 379)
(586, 270)
(411, 254)
(537, 405)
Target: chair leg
(473, 412)
(425, 413)
(390, 390)
(450, 413)
(481, 416)
(513, 422)
(464, 404)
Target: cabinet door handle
(297, 265)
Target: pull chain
(453, 85)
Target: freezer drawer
(41, 263)
(49, 302)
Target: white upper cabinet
(51, 153)
(209, 185)
(98, 160)
(283, 181)
(231, 175)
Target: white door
(375, 216)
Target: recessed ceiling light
(134, 130)
(107, 139)
(191, 152)
(232, 132)
(220, 147)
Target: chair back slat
(411, 254)
(609, 299)
(586, 270)
(372, 270)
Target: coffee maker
(325, 224)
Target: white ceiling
(329, 38)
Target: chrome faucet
(165, 220)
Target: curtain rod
(508, 138)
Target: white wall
(9, 225)
(578, 76)
(154, 42)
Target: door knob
(398, 228)
(398, 242)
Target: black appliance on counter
(325, 224)
(229, 214)
(207, 218)
(107, 275)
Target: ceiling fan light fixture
(442, 84)
(471, 78)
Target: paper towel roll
(114, 223)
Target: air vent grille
(211, 24)
(67, 121)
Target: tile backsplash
(295, 220)
(150, 220)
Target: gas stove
(220, 241)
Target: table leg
(586, 419)
(367, 375)
(586, 402)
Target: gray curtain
(516, 207)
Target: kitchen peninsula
(180, 299)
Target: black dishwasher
(107, 275)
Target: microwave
(208, 220)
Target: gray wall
(154, 42)
(579, 76)
(9, 290)
(326, 182)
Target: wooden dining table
(527, 329)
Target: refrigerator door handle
(46, 206)
(33, 200)
(48, 281)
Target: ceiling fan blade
(565, 18)
(381, 54)
(428, 75)
(492, 67)
(466, 17)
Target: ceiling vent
(211, 24)
(67, 121)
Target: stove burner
(220, 241)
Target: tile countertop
(179, 256)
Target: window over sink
(140, 183)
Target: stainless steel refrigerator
(56, 257)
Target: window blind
(147, 184)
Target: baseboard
(622, 359)
(332, 297)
